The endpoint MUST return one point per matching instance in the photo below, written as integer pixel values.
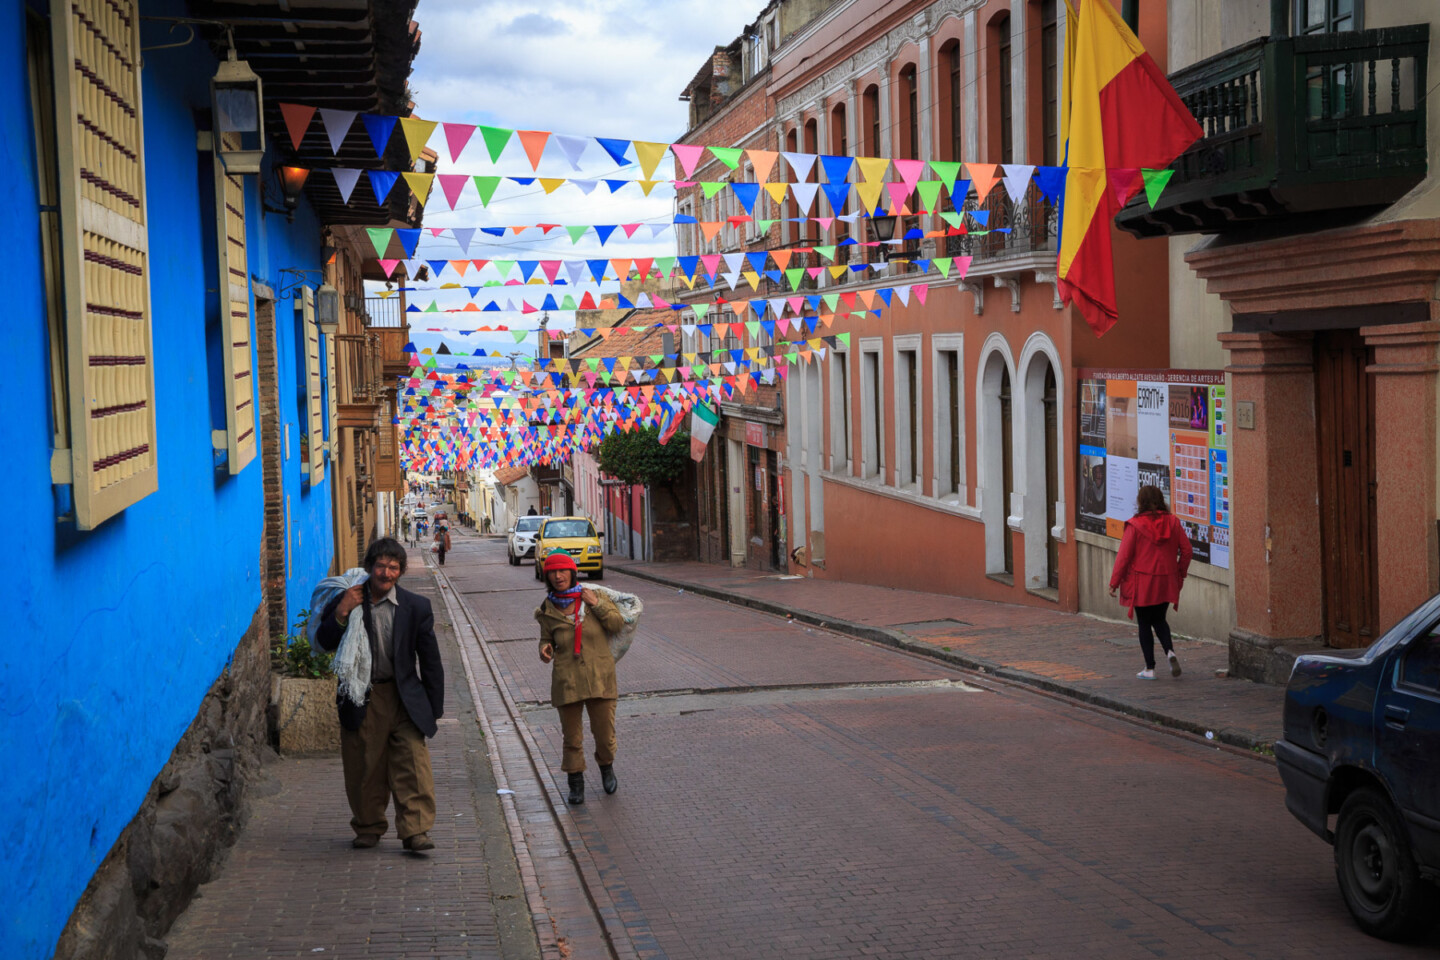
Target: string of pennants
(777, 306)
(648, 155)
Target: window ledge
(905, 495)
(1044, 593)
(1002, 577)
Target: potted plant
(303, 718)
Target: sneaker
(1174, 663)
(1145, 675)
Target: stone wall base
(1267, 659)
(191, 814)
(304, 718)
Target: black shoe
(607, 778)
(577, 788)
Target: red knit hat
(559, 560)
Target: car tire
(597, 574)
(1376, 870)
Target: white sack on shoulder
(630, 607)
(352, 659)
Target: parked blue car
(1362, 746)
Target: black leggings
(1152, 623)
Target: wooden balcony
(383, 316)
(1296, 127)
(358, 399)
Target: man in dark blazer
(382, 743)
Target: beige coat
(592, 676)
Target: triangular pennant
(534, 143)
(382, 182)
(804, 196)
(837, 194)
(572, 148)
(457, 135)
(649, 154)
(420, 184)
(871, 168)
(337, 125)
(909, 171)
(746, 193)
(688, 154)
(1017, 179)
(551, 184)
(837, 169)
(1050, 181)
(777, 191)
(297, 120)
(495, 140)
(1124, 182)
(417, 132)
(800, 164)
(616, 149)
(730, 156)
(1155, 181)
(345, 180)
(763, 161)
(485, 186)
(380, 239)
(929, 191)
(984, 176)
(869, 193)
(451, 184)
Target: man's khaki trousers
(602, 729)
(388, 756)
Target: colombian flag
(1121, 115)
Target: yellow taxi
(578, 537)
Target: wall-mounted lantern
(236, 99)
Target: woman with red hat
(575, 624)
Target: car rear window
(568, 528)
(528, 523)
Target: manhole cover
(923, 627)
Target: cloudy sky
(607, 68)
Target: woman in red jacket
(1149, 571)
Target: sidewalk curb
(893, 638)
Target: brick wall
(272, 550)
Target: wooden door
(1345, 441)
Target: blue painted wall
(124, 628)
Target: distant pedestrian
(405, 529)
(532, 512)
(1149, 572)
(442, 541)
(575, 624)
(382, 743)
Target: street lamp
(884, 225)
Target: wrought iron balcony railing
(1296, 126)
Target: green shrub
(297, 658)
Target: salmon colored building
(935, 451)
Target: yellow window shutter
(105, 253)
(235, 319)
(315, 411)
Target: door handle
(1396, 716)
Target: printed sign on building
(1162, 428)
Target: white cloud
(607, 68)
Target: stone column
(885, 111)
(1405, 469)
(970, 109)
(1020, 53)
(1275, 527)
(925, 99)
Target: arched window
(951, 95)
(910, 107)
(870, 120)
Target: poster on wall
(1162, 428)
